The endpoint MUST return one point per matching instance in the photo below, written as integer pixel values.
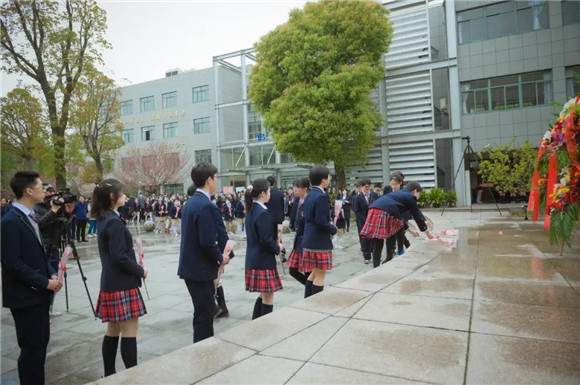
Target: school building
(489, 70)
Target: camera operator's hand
(69, 207)
(54, 207)
(54, 284)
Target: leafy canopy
(314, 76)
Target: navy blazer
(276, 205)
(120, 270)
(240, 213)
(262, 248)
(398, 203)
(299, 226)
(293, 212)
(203, 239)
(362, 207)
(318, 230)
(25, 268)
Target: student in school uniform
(361, 209)
(175, 216)
(240, 215)
(301, 188)
(120, 303)
(203, 240)
(275, 206)
(385, 217)
(160, 215)
(228, 213)
(261, 271)
(318, 232)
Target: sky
(149, 37)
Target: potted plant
(423, 199)
(436, 197)
(149, 226)
(451, 198)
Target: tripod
(469, 151)
(66, 239)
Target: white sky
(150, 37)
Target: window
(504, 92)
(128, 136)
(147, 104)
(126, 108)
(570, 12)
(502, 19)
(200, 94)
(572, 81)
(169, 99)
(170, 130)
(201, 126)
(147, 133)
(202, 156)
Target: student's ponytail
(258, 186)
(248, 200)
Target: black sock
(257, 308)
(298, 275)
(220, 297)
(267, 309)
(308, 289)
(110, 354)
(129, 351)
(316, 289)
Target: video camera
(66, 195)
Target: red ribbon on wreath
(534, 200)
(570, 136)
(550, 187)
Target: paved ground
(495, 309)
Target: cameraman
(48, 213)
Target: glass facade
(200, 94)
(572, 81)
(570, 12)
(501, 19)
(148, 104)
(505, 92)
(169, 99)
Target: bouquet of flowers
(556, 180)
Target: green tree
(95, 118)
(53, 43)
(23, 128)
(313, 80)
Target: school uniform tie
(34, 224)
(368, 199)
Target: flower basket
(149, 226)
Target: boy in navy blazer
(361, 208)
(27, 277)
(203, 241)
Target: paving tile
(324, 374)
(416, 353)
(529, 293)
(203, 359)
(303, 345)
(445, 313)
(256, 370)
(541, 322)
(352, 309)
(518, 269)
(447, 287)
(331, 300)
(440, 270)
(376, 279)
(272, 328)
(521, 361)
(569, 268)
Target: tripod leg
(66, 290)
(84, 278)
(455, 177)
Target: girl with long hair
(301, 188)
(120, 303)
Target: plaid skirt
(294, 259)
(380, 225)
(263, 280)
(119, 306)
(316, 259)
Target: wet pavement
(495, 309)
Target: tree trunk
(59, 158)
(99, 166)
(340, 177)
